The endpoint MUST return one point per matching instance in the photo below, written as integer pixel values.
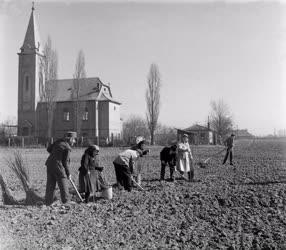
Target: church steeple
(32, 41)
(29, 80)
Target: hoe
(78, 194)
(203, 164)
(137, 184)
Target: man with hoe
(229, 143)
(125, 162)
(58, 167)
(168, 157)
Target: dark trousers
(163, 167)
(52, 180)
(123, 176)
(228, 152)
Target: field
(228, 207)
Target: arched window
(85, 114)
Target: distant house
(198, 134)
(242, 134)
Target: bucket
(107, 193)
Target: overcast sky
(235, 50)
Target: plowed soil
(227, 207)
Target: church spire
(32, 39)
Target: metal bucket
(107, 193)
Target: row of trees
(220, 121)
(48, 76)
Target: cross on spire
(33, 6)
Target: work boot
(191, 176)
(172, 175)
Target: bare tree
(132, 127)
(165, 135)
(153, 99)
(48, 74)
(220, 118)
(78, 79)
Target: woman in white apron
(185, 158)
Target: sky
(205, 50)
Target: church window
(66, 115)
(114, 107)
(27, 83)
(85, 115)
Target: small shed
(198, 134)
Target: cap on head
(139, 139)
(95, 147)
(232, 135)
(185, 135)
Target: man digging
(125, 161)
(58, 167)
(168, 157)
(229, 143)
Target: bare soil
(227, 207)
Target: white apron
(184, 158)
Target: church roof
(32, 41)
(90, 89)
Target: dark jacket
(59, 159)
(88, 163)
(167, 157)
(90, 178)
(229, 142)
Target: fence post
(23, 142)
(9, 142)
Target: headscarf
(91, 149)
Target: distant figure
(229, 143)
(168, 157)
(58, 167)
(185, 158)
(90, 178)
(125, 162)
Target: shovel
(78, 194)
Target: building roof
(90, 89)
(242, 133)
(32, 41)
(197, 127)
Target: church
(100, 119)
